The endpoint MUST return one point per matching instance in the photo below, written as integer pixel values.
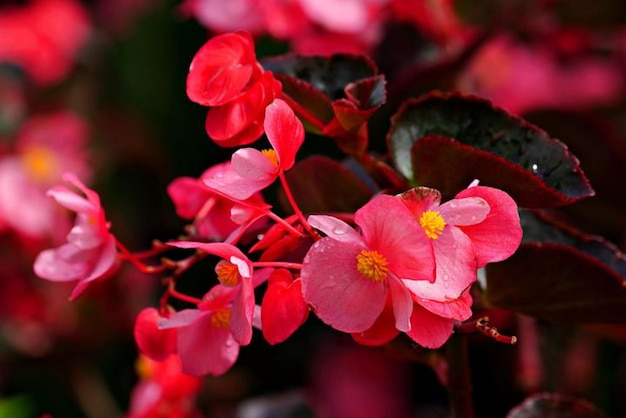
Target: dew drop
(535, 168)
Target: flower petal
(464, 211)
(455, 270)
(389, 228)
(336, 229)
(284, 131)
(429, 330)
(338, 293)
(500, 234)
(205, 349)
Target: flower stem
(295, 207)
(277, 264)
(459, 377)
(125, 254)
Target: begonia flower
(347, 276)
(234, 272)
(221, 69)
(240, 120)
(214, 216)
(209, 337)
(153, 342)
(480, 225)
(90, 251)
(283, 309)
(164, 391)
(252, 170)
(43, 37)
(47, 145)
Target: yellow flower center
(41, 164)
(372, 265)
(271, 155)
(432, 222)
(144, 367)
(227, 273)
(221, 319)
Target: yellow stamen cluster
(227, 273)
(221, 319)
(40, 163)
(372, 265)
(432, 222)
(271, 155)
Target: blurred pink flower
(90, 252)
(253, 170)
(44, 37)
(520, 77)
(347, 276)
(46, 147)
(164, 391)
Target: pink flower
(89, 252)
(208, 338)
(480, 225)
(240, 120)
(214, 216)
(347, 276)
(46, 147)
(221, 69)
(164, 391)
(224, 74)
(234, 272)
(226, 16)
(253, 170)
(43, 37)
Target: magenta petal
(205, 349)
(458, 309)
(336, 229)
(71, 201)
(181, 319)
(388, 227)
(464, 211)
(284, 131)
(429, 330)
(50, 267)
(421, 199)
(500, 234)
(339, 295)
(107, 255)
(189, 196)
(456, 267)
(241, 313)
(402, 304)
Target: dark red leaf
(550, 405)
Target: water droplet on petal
(534, 168)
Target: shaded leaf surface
(560, 275)
(548, 405)
(321, 184)
(546, 165)
(329, 75)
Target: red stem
(132, 258)
(295, 207)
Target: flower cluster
(401, 263)
(324, 27)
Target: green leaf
(320, 184)
(16, 407)
(482, 142)
(549, 405)
(560, 274)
